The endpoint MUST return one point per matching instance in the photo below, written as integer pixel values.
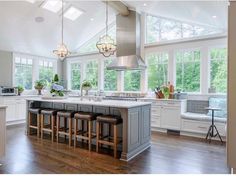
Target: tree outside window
(157, 68)
(132, 80)
(188, 71)
(110, 77)
(92, 73)
(218, 72)
(75, 76)
(46, 71)
(23, 72)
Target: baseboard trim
(15, 123)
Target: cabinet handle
(202, 127)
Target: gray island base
(136, 127)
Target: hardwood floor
(168, 154)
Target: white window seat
(202, 117)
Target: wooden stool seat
(51, 125)
(37, 112)
(82, 134)
(113, 121)
(67, 131)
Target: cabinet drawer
(156, 111)
(155, 122)
(201, 127)
(171, 103)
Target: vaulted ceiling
(20, 32)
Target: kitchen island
(136, 126)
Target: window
(23, 72)
(46, 70)
(92, 73)
(188, 71)
(73, 13)
(132, 80)
(75, 76)
(90, 46)
(157, 68)
(218, 70)
(110, 77)
(163, 29)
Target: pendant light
(62, 51)
(106, 45)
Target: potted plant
(166, 91)
(39, 85)
(20, 89)
(56, 89)
(86, 85)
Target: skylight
(53, 6)
(73, 13)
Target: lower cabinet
(16, 108)
(166, 113)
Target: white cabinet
(170, 117)
(2, 130)
(166, 113)
(16, 110)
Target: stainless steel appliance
(8, 91)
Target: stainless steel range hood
(128, 39)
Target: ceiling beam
(119, 7)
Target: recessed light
(214, 16)
(39, 19)
(73, 13)
(144, 4)
(53, 6)
(91, 19)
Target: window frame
(35, 66)
(192, 49)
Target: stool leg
(70, 131)
(98, 135)
(38, 125)
(75, 131)
(82, 122)
(65, 126)
(52, 126)
(115, 141)
(58, 126)
(89, 133)
(42, 126)
(29, 123)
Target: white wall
(6, 68)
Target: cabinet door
(20, 110)
(170, 117)
(11, 112)
(156, 116)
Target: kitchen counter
(104, 103)
(156, 99)
(136, 127)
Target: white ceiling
(19, 31)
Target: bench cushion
(221, 103)
(201, 117)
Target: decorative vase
(39, 91)
(86, 90)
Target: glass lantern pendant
(62, 51)
(106, 45)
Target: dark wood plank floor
(168, 154)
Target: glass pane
(152, 29)
(23, 75)
(92, 73)
(110, 77)
(75, 76)
(170, 30)
(188, 71)
(218, 72)
(132, 80)
(157, 69)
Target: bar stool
(51, 126)
(31, 112)
(82, 134)
(67, 115)
(111, 120)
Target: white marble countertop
(106, 103)
(156, 99)
(3, 106)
